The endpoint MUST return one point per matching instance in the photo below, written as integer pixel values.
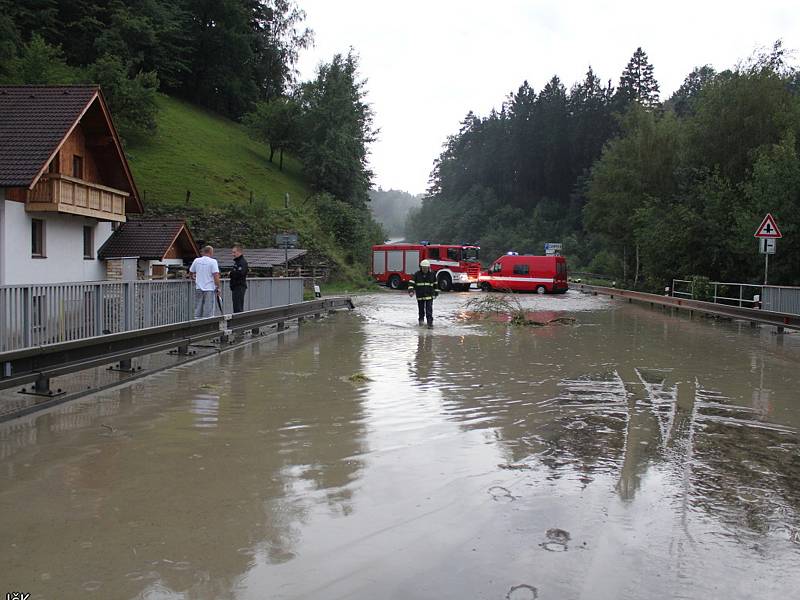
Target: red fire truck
(456, 266)
(526, 273)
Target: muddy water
(632, 455)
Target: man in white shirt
(205, 273)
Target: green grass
(211, 156)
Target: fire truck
(526, 273)
(456, 266)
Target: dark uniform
(424, 284)
(238, 283)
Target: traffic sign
(552, 249)
(767, 245)
(768, 228)
(286, 240)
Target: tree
(337, 126)
(9, 40)
(275, 123)
(279, 38)
(637, 83)
(684, 99)
(40, 63)
(640, 165)
(149, 35)
(738, 112)
(132, 100)
(775, 187)
(592, 121)
(221, 48)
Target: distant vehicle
(456, 266)
(526, 273)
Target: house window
(88, 242)
(55, 164)
(37, 238)
(521, 270)
(77, 166)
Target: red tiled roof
(33, 122)
(149, 239)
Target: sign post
(286, 241)
(767, 234)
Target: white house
(64, 183)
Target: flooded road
(632, 454)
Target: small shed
(264, 261)
(158, 244)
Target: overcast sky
(429, 62)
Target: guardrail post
(27, 322)
(189, 300)
(147, 320)
(128, 300)
(42, 385)
(98, 309)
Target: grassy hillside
(212, 157)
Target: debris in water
(359, 378)
(512, 309)
(515, 466)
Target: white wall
(63, 246)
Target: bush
(701, 288)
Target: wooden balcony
(63, 194)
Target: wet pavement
(633, 454)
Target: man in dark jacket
(424, 285)
(238, 279)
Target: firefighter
(424, 285)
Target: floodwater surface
(633, 454)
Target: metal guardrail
(18, 367)
(743, 293)
(34, 315)
(781, 299)
(774, 298)
(779, 320)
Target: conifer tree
(637, 83)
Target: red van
(526, 273)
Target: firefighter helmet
(425, 263)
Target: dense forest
(234, 57)
(636, 188)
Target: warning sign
(768, 228)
